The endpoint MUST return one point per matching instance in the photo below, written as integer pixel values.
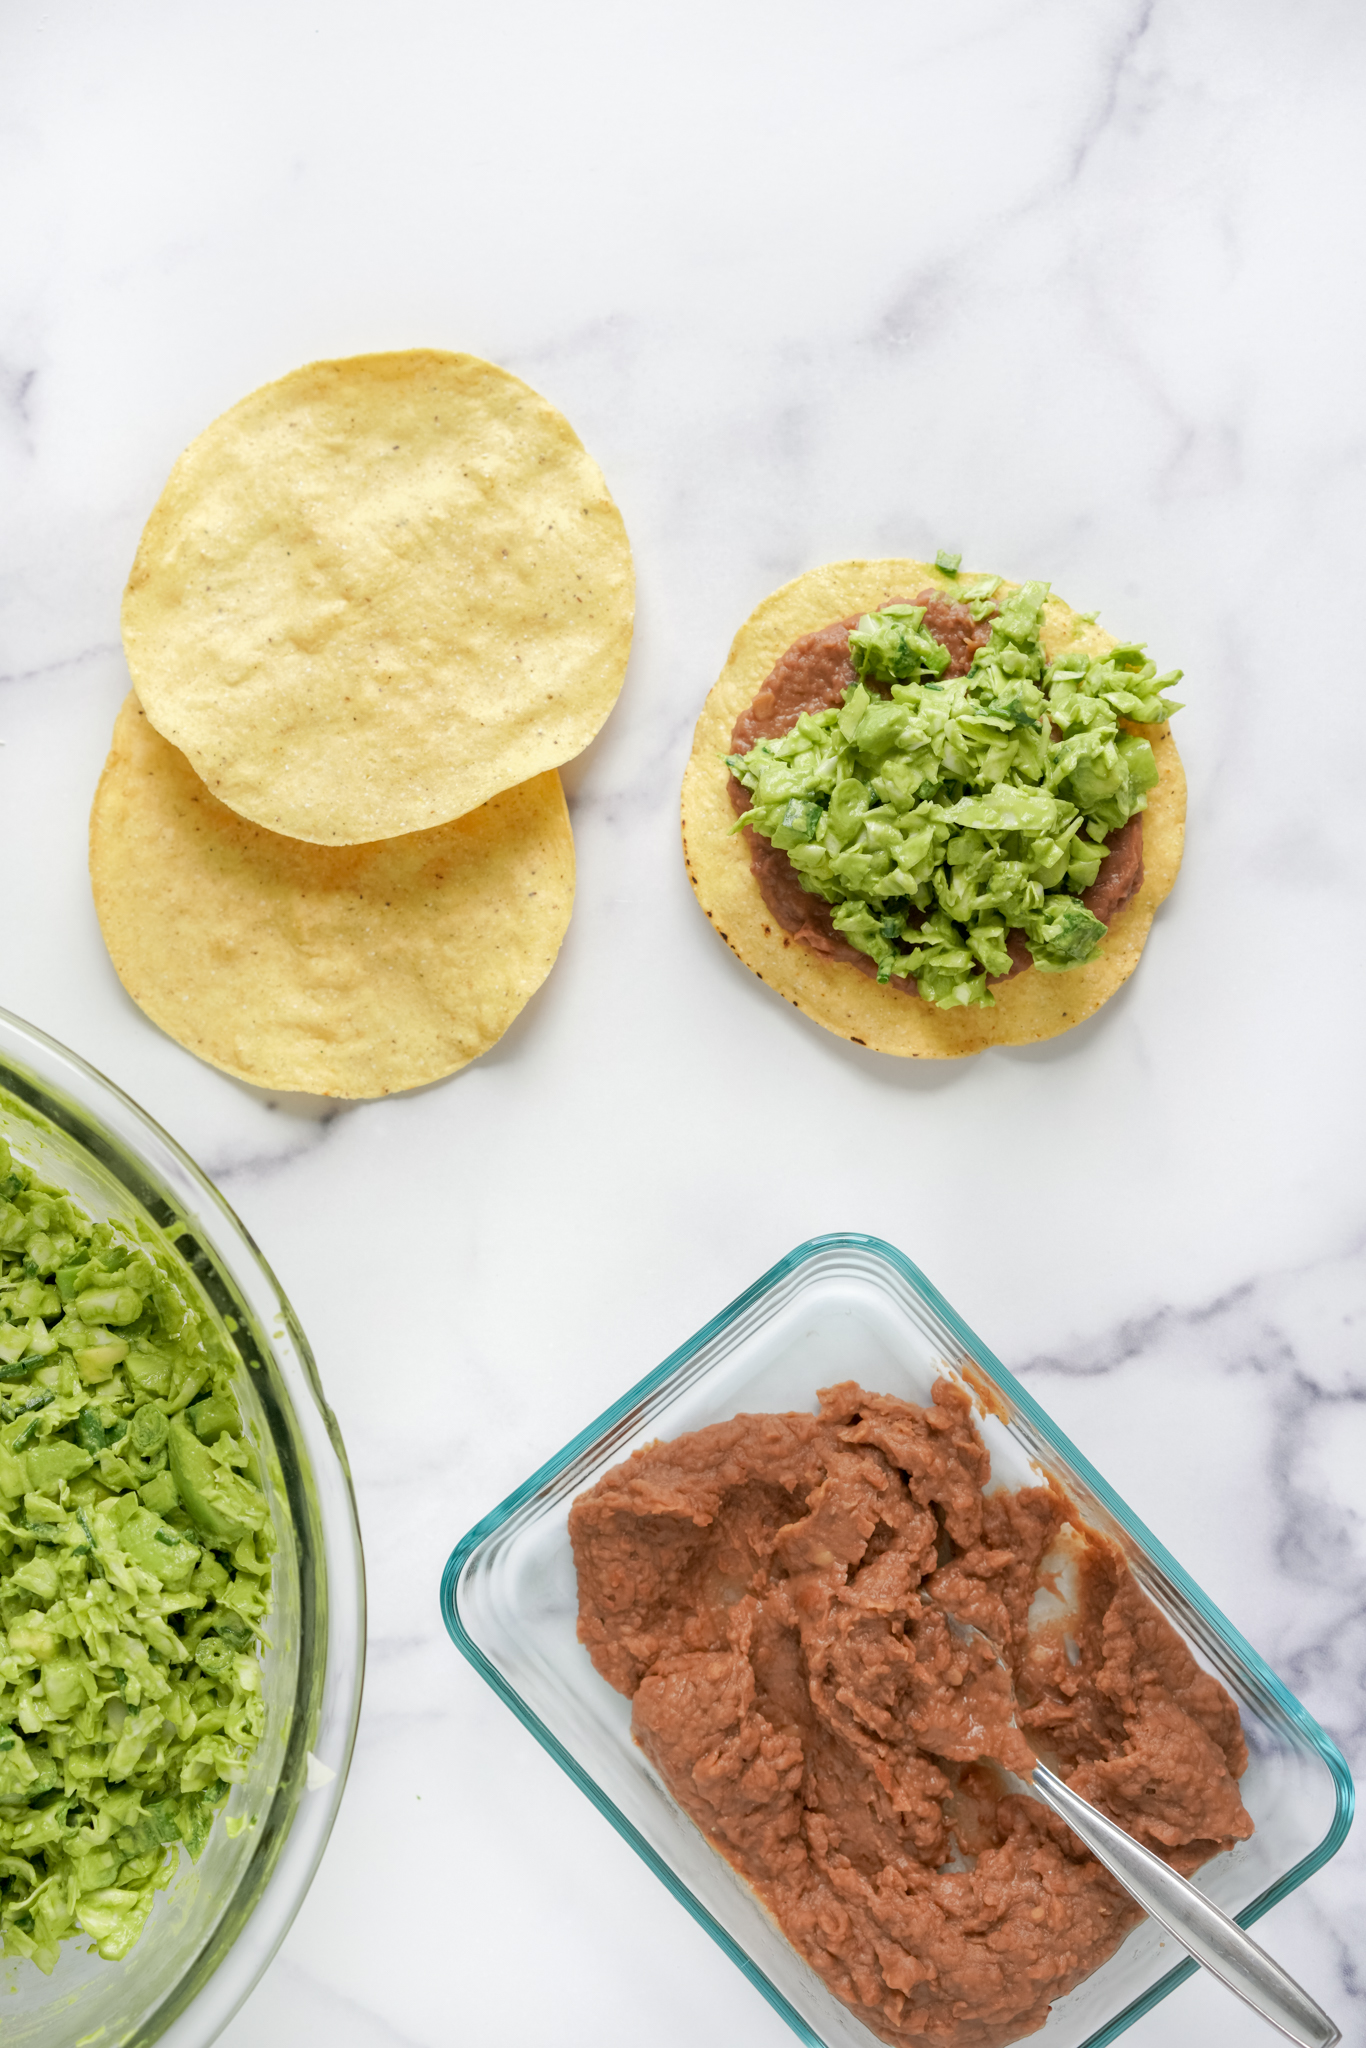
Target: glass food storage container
(850, 1307)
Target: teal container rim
(813, 1247)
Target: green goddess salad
(936, 814)
(135, 1549)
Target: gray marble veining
(1072, 285)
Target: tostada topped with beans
(958, 806)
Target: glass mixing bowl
(212, 1933)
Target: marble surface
(1072, 285)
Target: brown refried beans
(814, 674)
(758, 1591)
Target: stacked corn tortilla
(377, 605)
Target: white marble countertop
(1072, 285)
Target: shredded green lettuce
(940, 813)
(135, 1548)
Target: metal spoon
(1195, 1921)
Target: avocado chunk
(215, 1498)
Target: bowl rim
(67, 1092)
(1133, 1526)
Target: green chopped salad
(936, 813)
(135, 1548)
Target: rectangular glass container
(850, 1307)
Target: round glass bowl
(213, 1931)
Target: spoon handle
(1197, 1923)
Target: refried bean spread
(813, 675)
(771, 1594)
